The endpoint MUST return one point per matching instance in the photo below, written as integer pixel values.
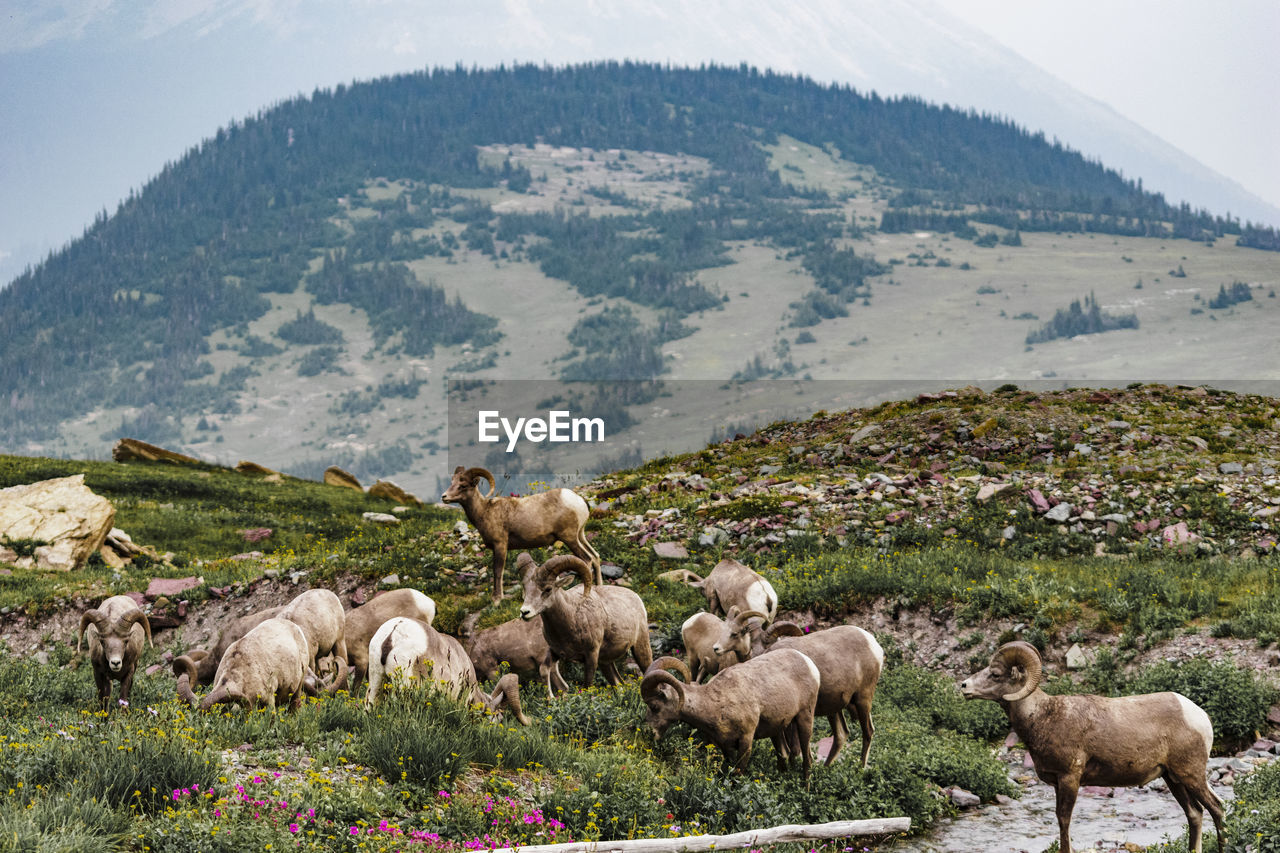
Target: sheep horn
(524, 563)
(784, 629)
(557, 566)
(185, 668)
(654, 678)
(743, 617)
(507, 692)
(671, 664)
(91, 617)
(1022, 654)
(473, 473)
(218, 695)
(339, 677)
(137, 616)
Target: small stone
(963, 799)
(670, 550)
(1059, 513)
(390, 580)
(380, 518)
(171, 586)
(610, 571)
(1230, 468)
(1077, 658)
(990, 490)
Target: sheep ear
(91, 617)
(525, 563)
(458, 470)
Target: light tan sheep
(116, 629)
(363, 621)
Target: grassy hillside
(917, 519)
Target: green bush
(1236, 699)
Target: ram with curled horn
(531, 521)
(595, 624)
(772, 696)
(116, 630)
(268, 666)
(1100, 740)
(713, 644)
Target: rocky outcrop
(244, 466)
(133, 450)
(335, 476)
(389, 490)
(52, 524)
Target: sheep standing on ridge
(771, 696)
(404, 648)
(116, 630)
(1099, 740)
(532, 521)
(597, 626)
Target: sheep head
(540, 582)
(735, 637)
(113, 635)
(1013, 674)
(663, 694)
(464, 482)
(506, 693)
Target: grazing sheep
(516, 642)
(204, 664)
(267, 666)
(732, 583)
(849, 660)
(771, 696)
(1098, 740)
(597, 626)
(532, 521)
(407, 648)
(323, 621)
(363, 621)
(713, 644)
(116, 630)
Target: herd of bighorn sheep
(765, 679)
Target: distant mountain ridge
(362, 199)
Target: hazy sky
(96, 95)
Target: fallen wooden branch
(749, 838)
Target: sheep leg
(781, 747)
(839, 734)
(103, 681)
(744, 753)
(582, 549)
(499, 564)
(1200, 793)
(803, 724)
(862, 705)
(1065, 790)
(642, 651)
(1192, 809)
(611, 674)
(126, 687)
(589, 666)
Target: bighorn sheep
(713, 644)
(320, 615)
(597, 626)
(532, 521)
(849, 660)
(517, 642)
(268, 665)
(363, 621)
(116, 630)
(730, 583)
(204, 664)
(771, 696)
(1098, 740)
(410, 648)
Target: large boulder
(335, 476)
(135, 450)
(63, 514)
(388, 489)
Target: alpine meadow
(950, 454)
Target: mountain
(290, 286)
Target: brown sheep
(116, 629)
(532, 521)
